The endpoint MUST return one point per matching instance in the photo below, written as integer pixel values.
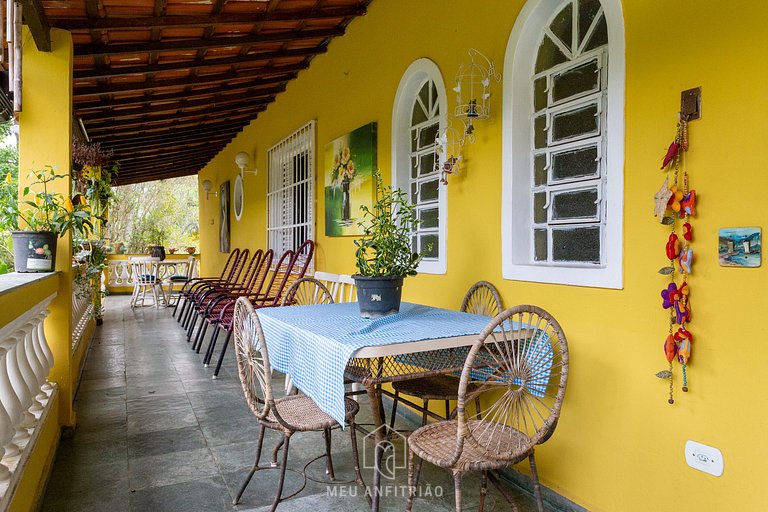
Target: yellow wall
(619, 445)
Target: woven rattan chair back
(230, 264)
(237, 270)
(251, 270)
(307, 291)
(520, 363)
(482, 299)
(252, 359)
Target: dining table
(325, 347)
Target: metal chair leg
(211, 346)
(221, 356)
(282, 474)
(253, 469)
(447, 409)
(328, 457)
(411, 482)
(356, 460)
(483, 490)
(394, 410)
(536, 485)
(200, 336)
(424, 413)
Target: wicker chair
(481, 299)
(296, 413)
(520, 364)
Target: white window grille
(563, 164)
(290, 190)
(418, 117)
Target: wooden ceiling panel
(168, 83)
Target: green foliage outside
(9, 191)
(163, 212)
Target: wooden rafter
(165, 118)
(37, 21)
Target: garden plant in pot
(384, 255)
(37, 222)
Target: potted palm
(37, 222)
(384, 255)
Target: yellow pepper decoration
(68, 205)
(82, 201)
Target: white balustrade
(82, 303)
(25, 393)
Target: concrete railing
(82, 303)
(25, 392)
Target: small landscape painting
(740, 247)
(348, 168)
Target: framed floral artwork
(348, 172)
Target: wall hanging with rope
(675, 205)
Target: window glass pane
(539, 93)
(578, 204)
(540, 244)
(539, 172)
(429, 191)
(429, 218)
(427, 135)
(587, 12)
(599, 36)
(414, 167)
(539, 213)
(427, 164)
(414, 244)
(424, 94)
(575, 81)
(562, 25)
(539, 133)
(429, 246)
(575, 164)
(418, 115)
(549, 55)
(576, 244)
(581, 121)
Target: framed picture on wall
(348, 171)
(224, 217)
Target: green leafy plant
(45, 210)
(385, 249)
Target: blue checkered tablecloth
(313, 344)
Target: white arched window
(563, 162)
(418, 116)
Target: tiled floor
(155, 433)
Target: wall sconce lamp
(243, 160)
(207, 185)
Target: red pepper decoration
(671, 154)
(673, 247)
(670, 348)
(687, 231)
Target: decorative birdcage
(448, 144)
(473, 90)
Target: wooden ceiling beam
(191, 21)
(92, 50)
(128, 146)
(34, 16)
(167, 168)
(197, 126)
(136, 151)
(243, 100)
(144, 179)
(110, 140)
(94, 126)
(196, 65)
(255, 76)
(179, 97)
(195, 156)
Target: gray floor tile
(171, 468)
(202, 495)
(165, 441)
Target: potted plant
(384, 256)
(36, 223)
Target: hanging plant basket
(34, 251)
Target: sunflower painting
(349, 164)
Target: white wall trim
(517, 109)
(417, 72)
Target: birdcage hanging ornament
(473, 90)
(448, 144)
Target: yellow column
(45, 138)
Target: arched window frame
(413, 79)
(517, 251)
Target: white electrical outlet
(704, 458)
